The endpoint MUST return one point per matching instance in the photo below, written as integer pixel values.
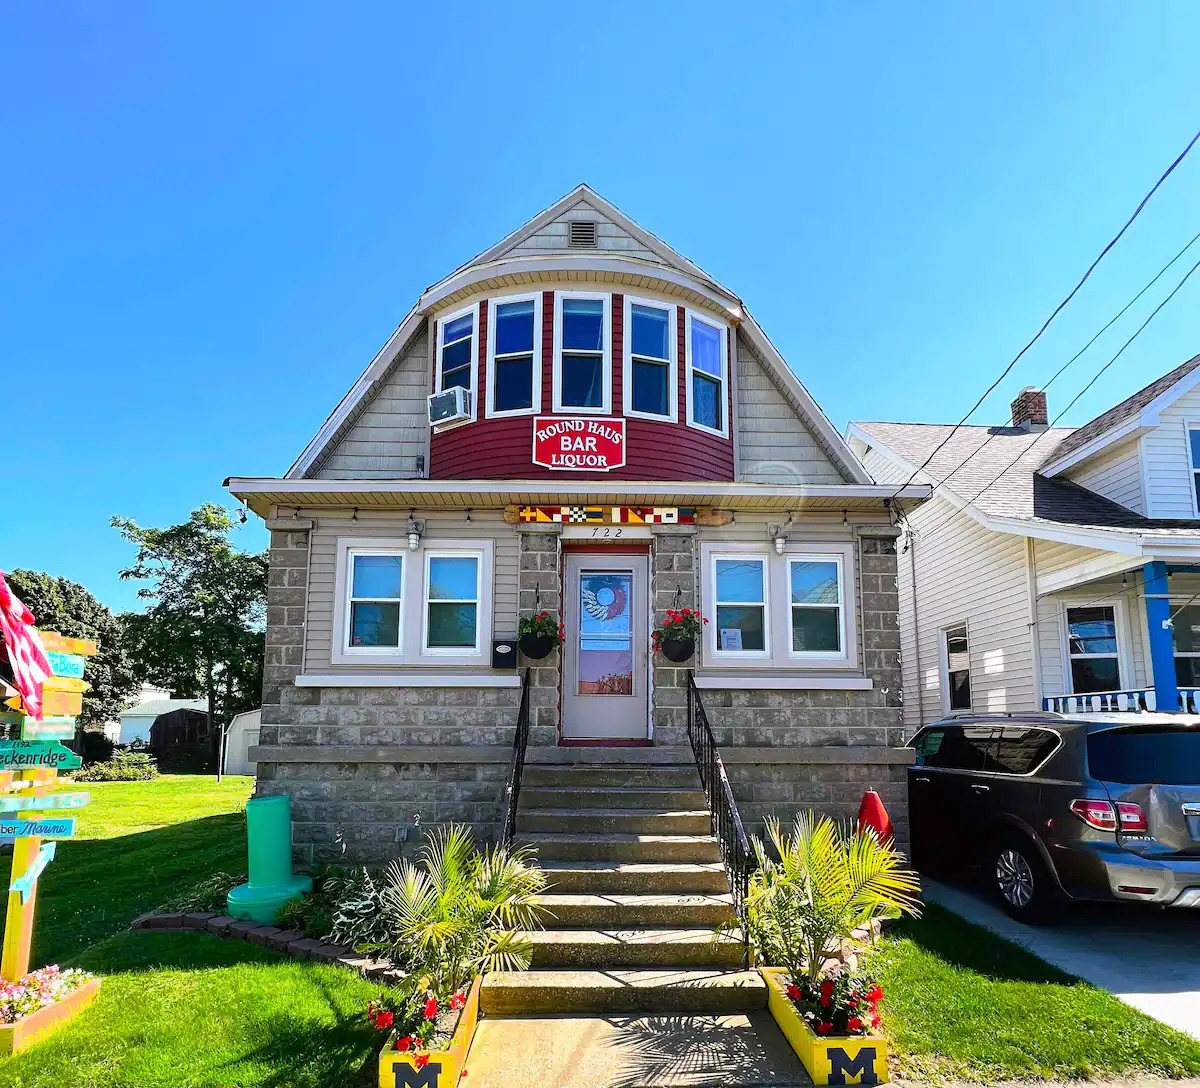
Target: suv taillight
(1104, 815)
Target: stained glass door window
(605, 633)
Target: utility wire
(1057, 310)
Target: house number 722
(606, 532)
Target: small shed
(243, 735)
(181, 741)
(137, 720)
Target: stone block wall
(287, 590)
(541, 590)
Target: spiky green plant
(459, 912)
(829, 880)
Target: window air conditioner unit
(449, 406)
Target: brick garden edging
(290, 942)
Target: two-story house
(579, 420)
(1053, 568)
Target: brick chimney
(1029, 409)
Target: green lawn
(961, 1003)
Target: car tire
(1020, 880)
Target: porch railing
(516, 765)
(1134, 700)
(723, 811)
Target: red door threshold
(604, 742)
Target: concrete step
(560, 847)
(623, 797)
(652, 990)
(631, 878)
(607, 821)
(582, 774)
(624, 909)
(660, 946)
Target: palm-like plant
(829, 880)
(458, 912)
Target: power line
(1057, 310)
(1096, 377)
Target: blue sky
(212, 216)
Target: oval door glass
(605, 633)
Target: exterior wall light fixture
(415, 529)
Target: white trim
(1095, 446)
(1124, 655)
(671, 363)
(605, 407)
(536, 370)
(714, 640)
(944, 665)
(1056, 581)
(782, 682)
(473, 388)
(408, 679)
(813, 557)
(483, 616)
(691, 315)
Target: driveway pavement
(1149, 958)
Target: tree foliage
(203, 634)
(66, 607)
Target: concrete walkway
(736, 1051)
(1148, 958)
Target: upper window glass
(452, 602)
(1186, 634)
(582, 360)
(1092, 648)
(650, 356)
(964, 747)
(958, 668)
(458, 356)
(514, 356)
(740, 597)
(706, 367)
(1022, 750)
(816, 606)
(376, 592)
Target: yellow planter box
(37, 1025)
(398, 1069)
(829, 1059)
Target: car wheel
(1022, 882)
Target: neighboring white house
(137, 720)
(1046, 569)
(242, 736)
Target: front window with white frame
(452, 591)
(956, 668)
(376, 599)
(818, 622)
(650, 387)
(582, 359)
(1093, 651)
(456, 350)
(739, 593)
(514, 371)
(707, 375)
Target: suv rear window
(1145, 756)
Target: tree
(203, 635)
(66, 607)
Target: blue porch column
(1162, 639)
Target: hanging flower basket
(676, 638)
(678, 649)
(537, 647)
(537, 635)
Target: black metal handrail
(512, 791)
(723, 810)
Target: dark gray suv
(1061, 808)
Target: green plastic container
(271, 883)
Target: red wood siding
(502, 449)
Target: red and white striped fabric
(29, 663)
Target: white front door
(607, 647)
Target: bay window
(582, 363)
(707, 375)
(456, 350)
(649, 364)
(514, 370)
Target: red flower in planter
(875, 1021)
(827, 988)
(824, 1028)
(421, 1060)
(384, 1021)
(457, 1001)
(854, 1024)
(793, 991)
(431, 1008)
(404, 1043)
(825, 1001)
(874, 995)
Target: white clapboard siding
(609, 236)
(963, 573)
(441, 527)
(774, 444)
(390, 433)
(1116, 474)
(1051, 556)
(1170, 492)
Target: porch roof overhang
(266, 495)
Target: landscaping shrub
(123, 767)
(95, 748)
(210, 894)
(344, 906)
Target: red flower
(827, 988)
(875, 1021)
(421, 1060)
(874, 995)
(854, 1024)
(793, 991)
(825, 1001)
(384, 1021)
(706, 621)
(667, 621)
(404, 1043)
(824, 1028)
(431, 1008)
(457, 1001)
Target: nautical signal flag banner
(30, 666)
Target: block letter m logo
(842, 1066)
(407, 1077)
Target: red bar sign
(572, 444)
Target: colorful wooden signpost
(29, 766)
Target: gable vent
(582, 234)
